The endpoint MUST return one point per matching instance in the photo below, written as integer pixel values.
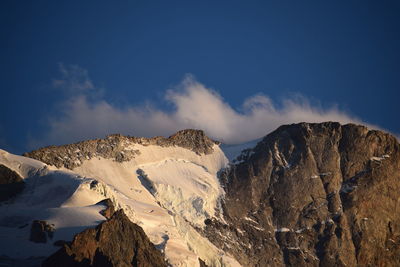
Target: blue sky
(72, 70)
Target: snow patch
(258, 228)
(250, 219)
(347, 188)
(380, 158)
(299, 231)
(282, 230)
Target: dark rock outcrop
(109, 211)
(116, 242)
(41, 231)
(10, 183)
(116, 147)
(314, 195)
(202, 263)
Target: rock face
(313, 195)
(118, 147)
(116, 242)
(109, 211)
(10, 183)
(41, 231)
(195, 140)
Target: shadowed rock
(10, 183)
(41, 231)
(202, 263)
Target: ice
(240, 231)
(42, 199)
(185, 192)
(293, 248)
(299, 231)
(380, 158)
(250, 219)
(22, 165)
(258, 228)
(177, 185)
(347, 188)
(282, 230)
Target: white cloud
(195, 106)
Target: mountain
(304, 195)
(167, 186)
(313, 195)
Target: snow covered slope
(166, 190)
(167, 186)
(43, 198)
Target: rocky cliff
(116, 242)
(313, 195)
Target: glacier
(168, 190)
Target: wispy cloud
(195, 106)
(74, 80)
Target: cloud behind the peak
(194, 106)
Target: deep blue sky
(334, 52)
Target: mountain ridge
(107, 245)
(114, 146)
(307, 194)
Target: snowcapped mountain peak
(168, 186)
(263, 203)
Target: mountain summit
(308, 194)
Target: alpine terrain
(306, 194)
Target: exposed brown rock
(41, 231)
(116, 242)
(10, 183)
(116, 147)
(195, 140)
(108, 212)
(314, 195)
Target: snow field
(165, 190)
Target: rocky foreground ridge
(314, 195)
(115, 242)
(118, 148)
